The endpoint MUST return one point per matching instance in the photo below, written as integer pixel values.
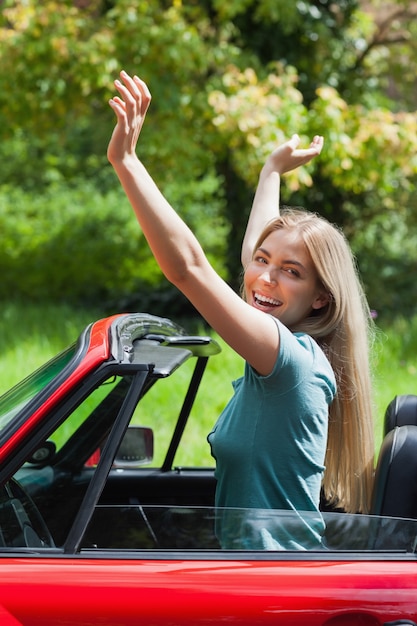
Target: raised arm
(172, 243)
(250, 332)
(265, 205)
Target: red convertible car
(100, 525)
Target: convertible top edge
(131, 327)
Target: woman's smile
(265, 303)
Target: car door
(177, 588)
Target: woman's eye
(292, 271)
(260, 259)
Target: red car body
(85, 591)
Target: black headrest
(402, 410)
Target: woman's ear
(322, 299)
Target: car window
(197, 528)
(159, 409)
(100, 404)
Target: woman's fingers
(315, 147)
(130, 107)
(142, 86)
(145, 94)
(134, 91)
(117, 104)
(313, 150)
(317, 142)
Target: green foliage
(395, 370)
(255, 115)
(387, 259)
(56, 57)
(75, 244)
(67, 244)
(229, 80)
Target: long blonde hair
(343, 330)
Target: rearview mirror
(136, 448)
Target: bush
(68, 244)
(73, 244)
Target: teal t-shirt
(270, 441)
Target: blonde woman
(270, 442)
(343, 328)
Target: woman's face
(281, 279)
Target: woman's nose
(268, 276)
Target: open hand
(288, 156)
(130, 109)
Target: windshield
(13, 401)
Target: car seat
(402, 410)
(395, 483)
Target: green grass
(395, 366)
(31, 334)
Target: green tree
(229, 81)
